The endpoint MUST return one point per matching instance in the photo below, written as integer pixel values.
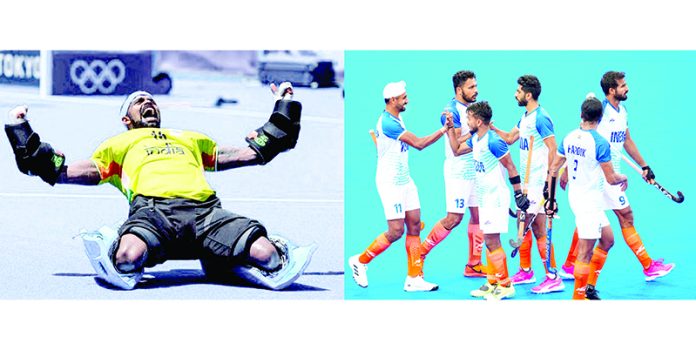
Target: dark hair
(591, 110)
(386, 100)
(481, 110)
(610, 80)
(462, 76)
(530, 84)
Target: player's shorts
(183, 229)
(614, 198)
(460, 194)
(590, 223)
(535, 195)
(493, 219)
(397, 200)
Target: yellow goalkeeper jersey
(157, 162)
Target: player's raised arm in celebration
(38, 158)
(279, 134)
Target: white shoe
(98, 246)
(359, 270)
(418, 284)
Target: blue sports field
(660, 112)
(298, 195)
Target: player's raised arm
(81, 172)
(279, 134)
(35, 157)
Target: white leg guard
(294, 261)
(97, 246)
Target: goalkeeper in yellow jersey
(174, 214)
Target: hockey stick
(517, 245)
(527, 229)
(549, 229)
(678, 198)
(523, 214)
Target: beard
(623, 97)
(522, 103)
(468, 99)
(149, 117)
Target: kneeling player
(174, 214)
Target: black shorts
(184, 229)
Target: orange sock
(573, 251)
(380, 244)
(413, 252)
(436, 235)
(541, 245)
(581, 273)
(475, 244)
(490, 271)
(498, 263)
(526, 251)
(599, 257)
(636, 244)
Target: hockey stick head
(678, 198)
(515, 243)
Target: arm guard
(280, 133)
(34, 157)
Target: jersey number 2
(575, 170)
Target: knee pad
(100, 246)
(293, 261)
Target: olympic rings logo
(97, 75)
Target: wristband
(515, 180)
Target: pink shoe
(549, 285)
(566, 272)
(657, 269)
(523, 277)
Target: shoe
(359, 270)
(591, 293)
(549, 285)
(294, 260)
(478, 270)
(657, 269)
(500, 293)
(566, 272)
(523, 277)
(418, 284)
(483, 291)
(99, 247)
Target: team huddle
(586, 162)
